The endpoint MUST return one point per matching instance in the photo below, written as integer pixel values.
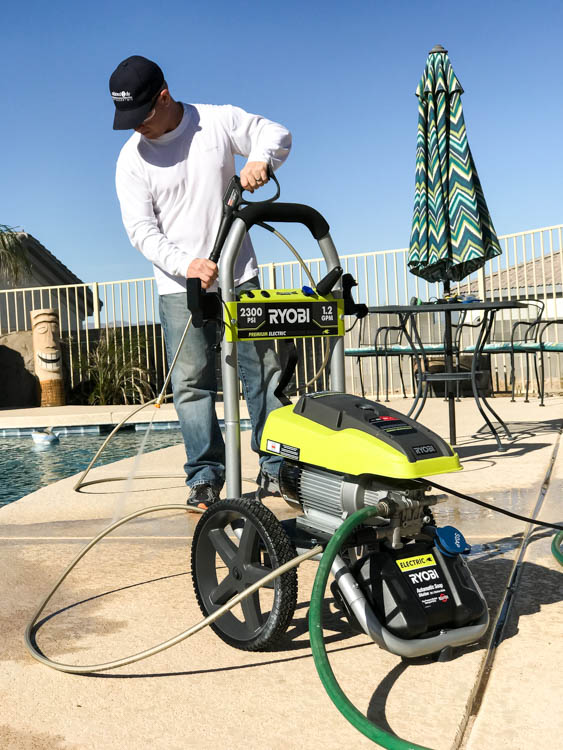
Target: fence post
(481, 283)
(271, 275)
(96, 305)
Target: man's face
(155, 123)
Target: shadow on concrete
(523, 429)
(519, 430)
(513, 450)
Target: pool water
(26, 466)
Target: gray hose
(80, 481)
(74, 669)
(157, 401)
(309, 275)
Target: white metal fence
(531, 266)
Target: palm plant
(14, 263)
(116, 372)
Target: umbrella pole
(449, 367)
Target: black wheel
(237, 542)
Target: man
(170, 178)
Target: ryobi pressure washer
(398, 577)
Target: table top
(445, 306)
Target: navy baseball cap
(134, 85)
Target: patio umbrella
(452, 232)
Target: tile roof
(526, 278)
(38, 252)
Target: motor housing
(328, 497)
(351, 435)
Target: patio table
(407, 314)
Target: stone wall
(18, 385)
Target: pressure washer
(356, 473)
(398, 577)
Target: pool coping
(91, 419)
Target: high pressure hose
(106, 666)
(336, 694)
(157, 404)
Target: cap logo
(121, 96)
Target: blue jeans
(194, 384)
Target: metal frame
(229, 368)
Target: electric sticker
(420, 561)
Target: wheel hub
(236, 543)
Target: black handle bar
(257, 212)
(289, 212)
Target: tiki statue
(47, 356)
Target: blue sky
(340, 76)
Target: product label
(282, 449)
(287, 319)
(424, 578)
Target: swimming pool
(26, 467)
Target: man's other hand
(253, 175)
(204, 269)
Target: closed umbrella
(452, 232)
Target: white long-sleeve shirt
(170, 188)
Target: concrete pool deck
(134, 590)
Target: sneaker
(268, 485)
(202, 496)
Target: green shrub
(115, 371)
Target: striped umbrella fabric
(452, 232)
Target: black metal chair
(540, 346)
(404, 345)
(523, 340)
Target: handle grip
(232, 201)
(327, 283)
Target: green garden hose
(556, 547)
(330, 684)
